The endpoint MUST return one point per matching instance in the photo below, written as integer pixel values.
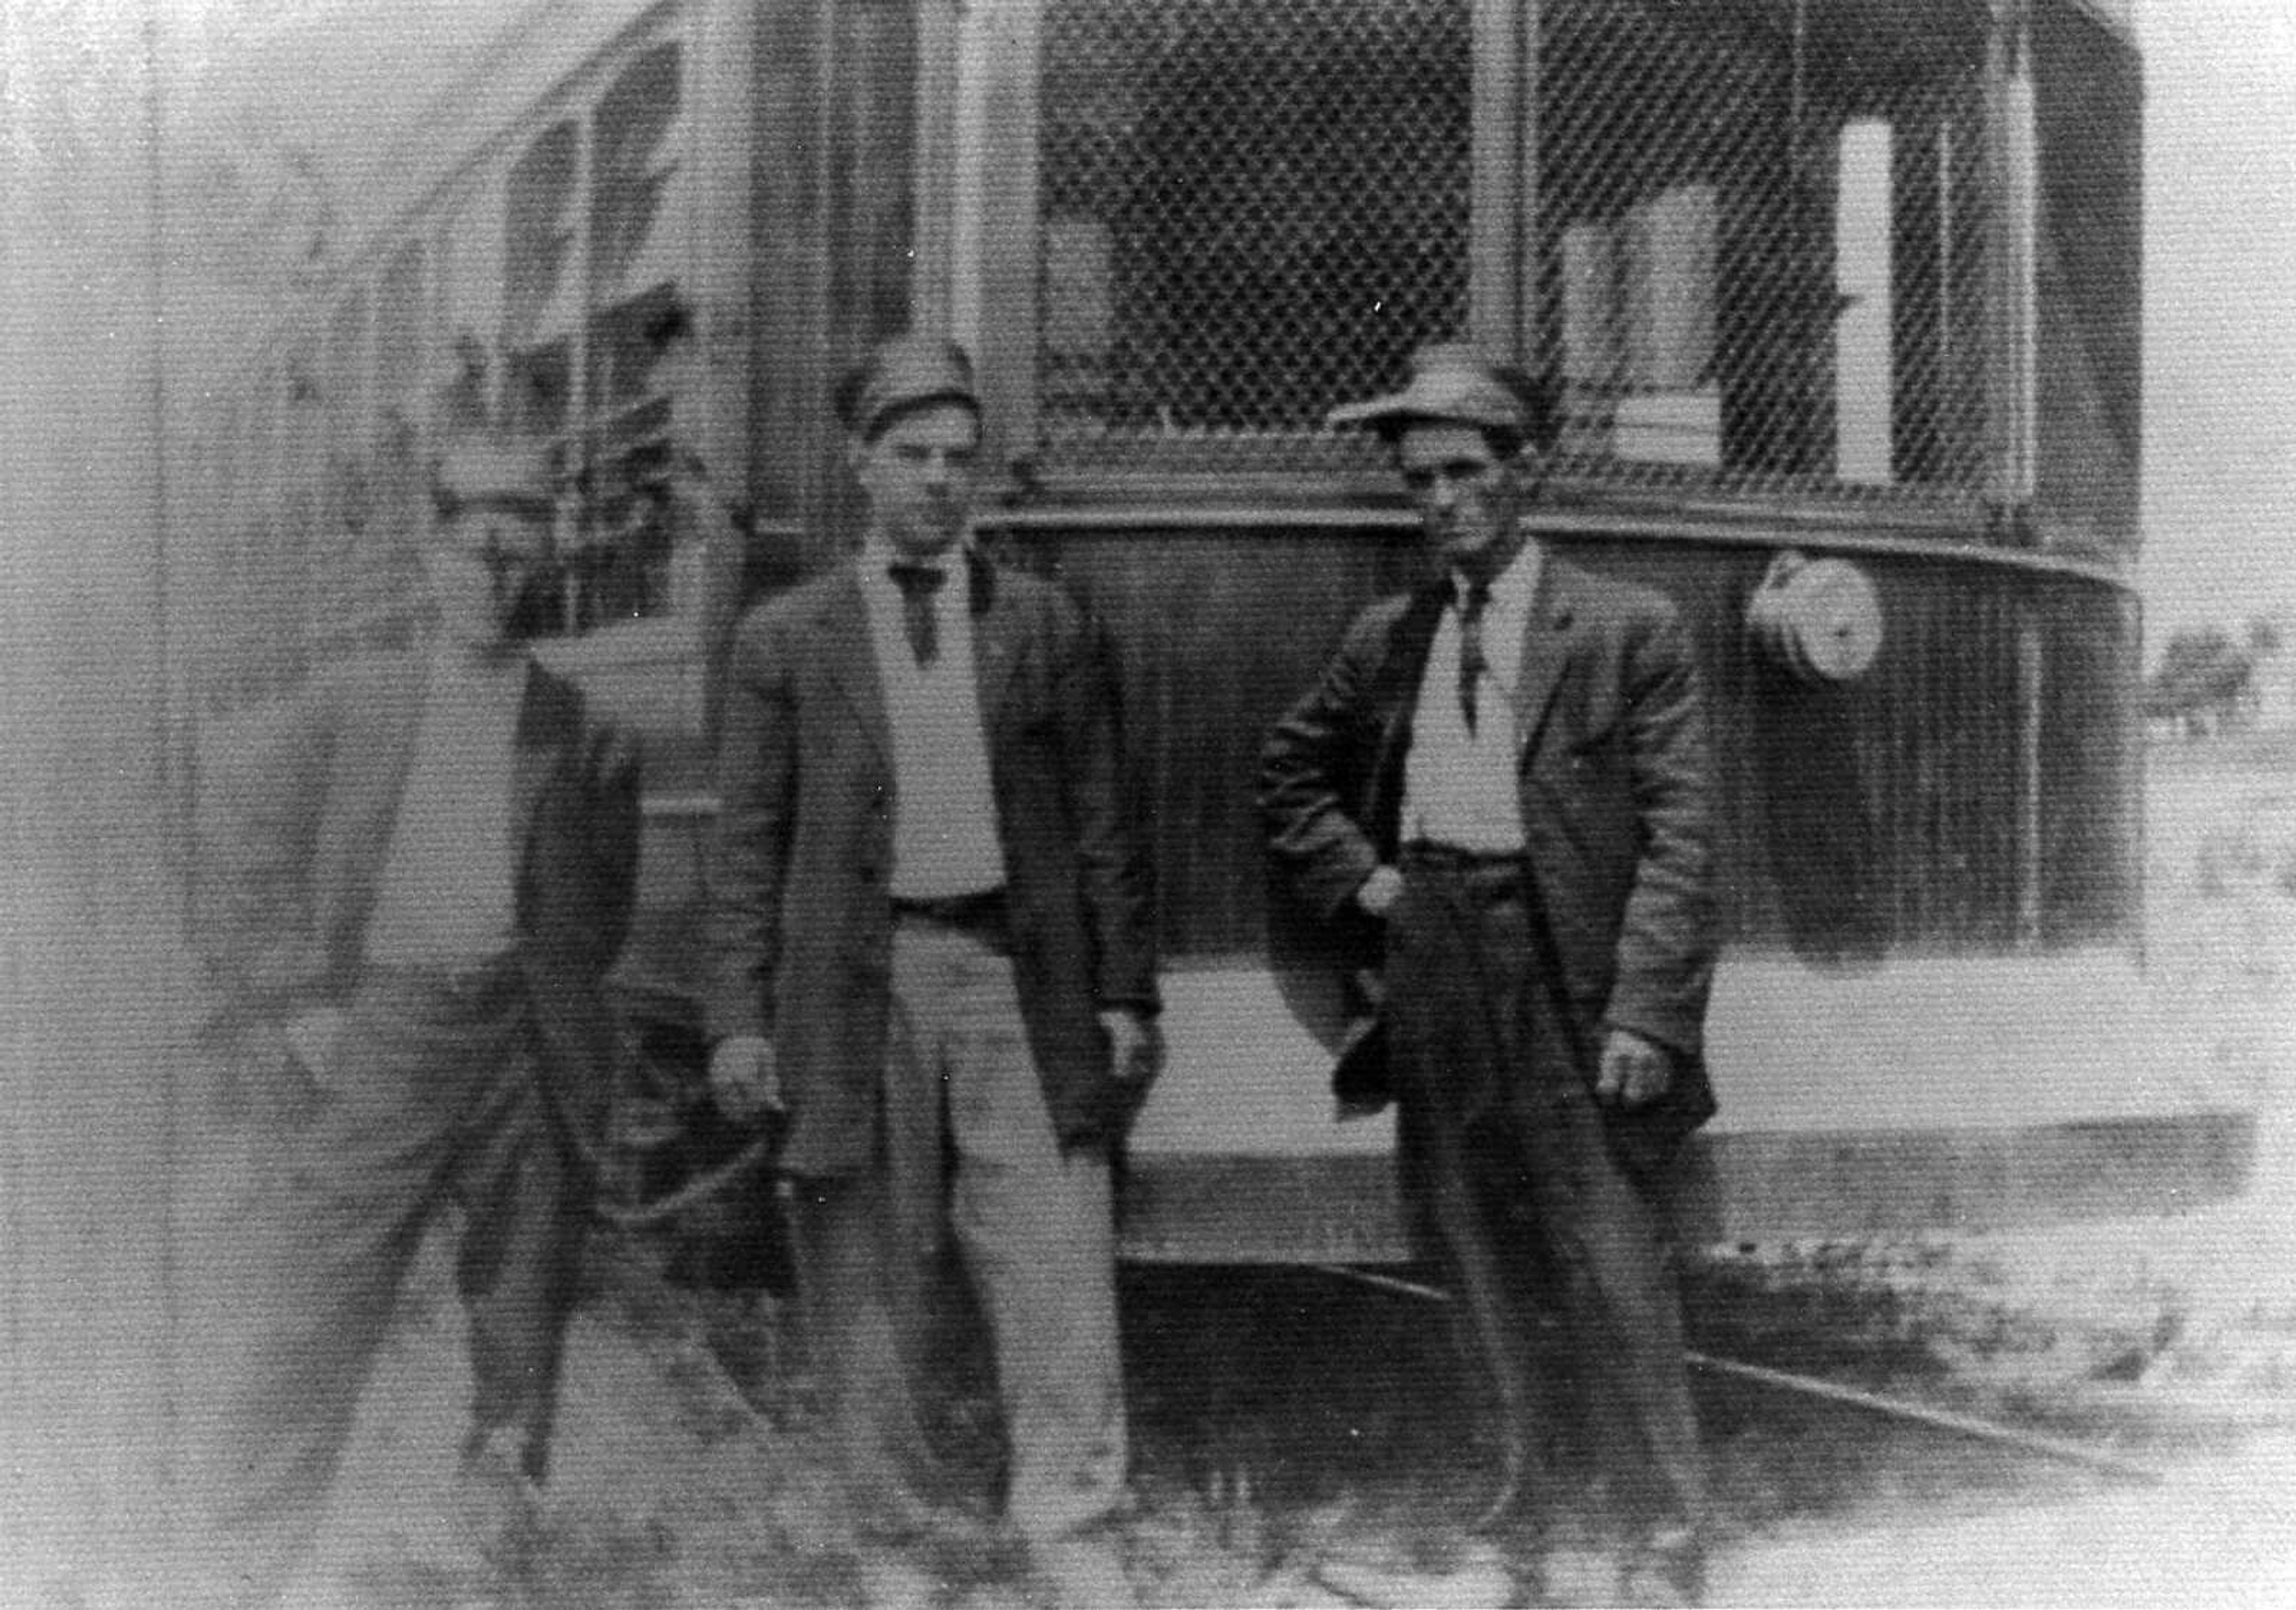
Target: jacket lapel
(846, 649)
(1396, 692)
(376, 747)
(546, 729)
(994, 640)
(1546, 651)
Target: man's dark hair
(845, 401)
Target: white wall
(95, 995)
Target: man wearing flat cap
(932, 948)
(421, 865)
(1500, 790)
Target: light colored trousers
(966, 1146)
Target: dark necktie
(918, 583)
(1472, 662)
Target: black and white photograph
(1064, 805)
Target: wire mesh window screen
(1247, 213)
(1753, 247)
(1761, 241)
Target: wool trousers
(966, 1154)
(1559, 1259)
(434, 1097)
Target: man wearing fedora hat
(1500, 789)
(422, 863)
(933, 950)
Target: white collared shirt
(1460, 788)
(945, 838)
(446, 897)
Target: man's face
(1467, 496)
(918, 476)
(481, 560)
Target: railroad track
(1259, 1464)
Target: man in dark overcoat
(1500, 789)
(422, 865)
(932, 941)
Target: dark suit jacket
(297, 819)
(1616, 792)
(800, 874)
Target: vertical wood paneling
(2092, 771)
(788, 316)
(1876, 817)
(835, 120)
(1217, 635)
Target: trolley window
(538, 293)
(1750, 236)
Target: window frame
(977, 190)
(977, 181)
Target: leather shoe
(1667, 1568)
(889, 1582)
(495, 1496)
(1480, 1579)
(1084, 1572)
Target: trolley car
(1843, 299)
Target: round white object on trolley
(1819, 619)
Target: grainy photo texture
(1000, 804)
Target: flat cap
(502, 471)
(1453, 383)
(904, 373)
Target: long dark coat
(1616, 793)
(298, 813)
(801, 915)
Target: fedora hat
(1452, 383)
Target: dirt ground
(674, 1489)
(1296, 1435)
